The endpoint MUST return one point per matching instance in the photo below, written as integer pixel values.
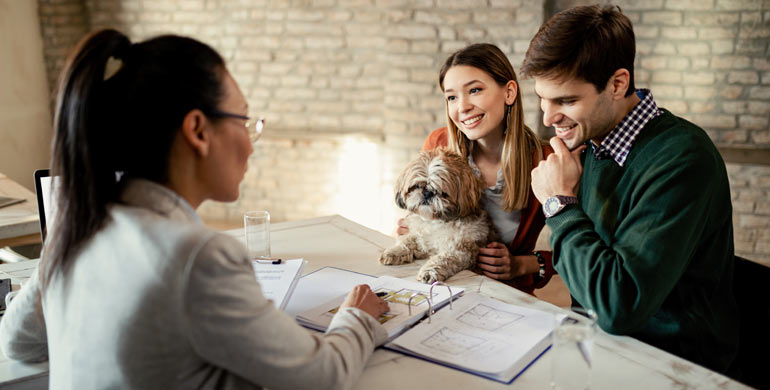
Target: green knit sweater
(649, 247)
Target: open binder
(471, 333)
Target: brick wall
(349, 90)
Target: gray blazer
(157, 301)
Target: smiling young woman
(485, 124)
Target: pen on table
(268, 261)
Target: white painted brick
(470, 33)
(731, 92)
(696, 18)
(392, 3)
(730, 62)
(411, 60)
(752, 47)
(753, 122)
(693, 48)
(722, 46)
(701, 107)
(670, 18)
(759, 108)
(760, 137)
(424, 47)
(446, 34)
(698, 78)
(759, 93)
(628, 5)
(276, 69)
(667, 77)
(738, 5)
(483, 15)
(689, 5)
(312, 29)
(661, 48)
(743, 77)
(461, 4)
(397, 16)
(654, 62)
(667, 91)
(734, 107)
(411, 32)
(699, 92)
(678, 32)
(324, 43)
(732, 136)
(715, 121)
(397, 46)
(305, 15)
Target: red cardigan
(532, 222)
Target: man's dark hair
(587, 42)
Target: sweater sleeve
(232, 325)
(672, 203)
(22, 329)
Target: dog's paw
(396, 255)
(430, 274)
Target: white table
(19, 223)
(620, 362)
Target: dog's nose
(427, 195)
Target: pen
(268, 261)
(382, 294)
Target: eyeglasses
(253, 126)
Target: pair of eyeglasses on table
(253, 126)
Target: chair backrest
(751, 282)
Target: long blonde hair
(519, 140)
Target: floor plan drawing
(450, 341)
(488, 318)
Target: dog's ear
(472, 188)
(400, 200)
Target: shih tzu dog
(446, 222)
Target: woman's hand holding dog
(402, 228)
(496, 262)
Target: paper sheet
(278, 280)
(480, 334)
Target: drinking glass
(572, 350)
(256, 228)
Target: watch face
(551, 206)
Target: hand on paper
(559, 174)
(496, 262)
(362, 297)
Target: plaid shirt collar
(617, 144)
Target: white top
(156, 300)
(506, 222)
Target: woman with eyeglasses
(132, 290)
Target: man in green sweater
(637, 199)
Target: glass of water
(572, 350)
(256, 226)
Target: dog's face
(439, 184)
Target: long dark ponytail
(120, 118)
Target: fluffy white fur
(446, 222)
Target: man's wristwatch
(554, 204)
